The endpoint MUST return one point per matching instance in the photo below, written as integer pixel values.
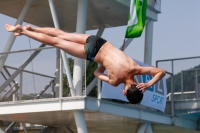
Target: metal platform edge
(95, 105)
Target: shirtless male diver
(120, 67)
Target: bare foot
(11, 28)
(28, 27)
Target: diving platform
(77, 113)
(100, 115)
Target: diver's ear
(124, 91)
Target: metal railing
(27, 74)
(185, 73)
(182, 78)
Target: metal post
(181, 85)
(80, 28)
(61, 79)
(58, 71)
(81, 24)
(20, 86)
(172, 90)
(80, 122)
(57, 85)
(99, 88)
(99, 33)
(100, 30)
(196, 84)
(14, 96)
(65, 62)
(53, 89)
(11, 39)
(148, 42)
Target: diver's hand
(143, 86)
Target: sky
(176, 34)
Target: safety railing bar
(26, 50)
(176, 93)
(29, 72)
(178, 59)
(191, 70)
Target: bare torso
(118, 65)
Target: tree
(89, 77)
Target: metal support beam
(99, 33)
(80, 28)
(81, 24)
(128, 41)
(19, 70)
(9, 91)
(148, 128)
(43, 90)
(58, 86)
(3, 75)
(100, 30)
(11, 38)
(91, 85)
(80, 122)
(144, 128)
(148, 42)
(64, 57)
(141, 128)
(10, 127)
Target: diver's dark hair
(134, 95)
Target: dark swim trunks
(92, 46)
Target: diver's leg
(73, 37)
(72, 48)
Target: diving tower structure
(78, 112)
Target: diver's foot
(11, 28)
(28, 27)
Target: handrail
(26, 50)
(187, 92)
